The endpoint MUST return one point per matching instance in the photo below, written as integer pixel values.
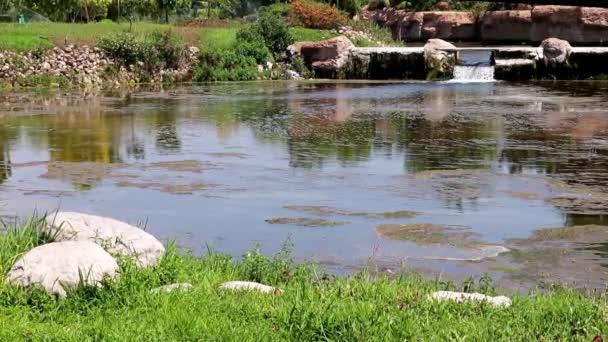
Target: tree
(166, 6)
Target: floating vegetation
(532, 196)
(176, 189)
(575, 233)
(193, 166)
(428, 234)
(83, 175)
(328, 211)
(305, 222)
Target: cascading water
(474, 66)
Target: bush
(315, 15)
(255, 49)
(270, 29)
(225, 65)
(169, 50)
(158, 50)
(123, 47)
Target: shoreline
(310, 304)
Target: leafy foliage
(270, 29)
(315, 15)
(153, 52)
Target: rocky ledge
(578, 25)
(553, 59)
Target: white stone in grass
(249, 286)
(172, 287)
(459, 297)
(114, 236)
(59, 265)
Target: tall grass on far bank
(313, 306)
(33, 36)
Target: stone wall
(578, 25)
(82, 66)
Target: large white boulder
(249, 286)
(114, 236)
(555, 51)
(59, 265)
(437, 59)
(499, 301)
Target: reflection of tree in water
(445, 144)
(167, 138)
(320, 128)
(5, 163)
(8, 133)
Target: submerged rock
(438, 62)
(172, 287)
(58, 265)
(459, 297)
(115, 236)
(249, 286)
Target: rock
(115, 236)
(58, 265)
(325, 50)
(580, 25)
(416, 26)
(172, 287)
(45, 66)
(504, 26)
(439, 61)
(449, 25)
(459, 297)
(249, 286)
(377, 4)
(555, 51)
(292, 75)
(522, 7)
(326, 57)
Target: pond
(450, 179)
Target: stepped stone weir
(510, 63)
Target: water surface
(230, 165)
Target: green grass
(220, 38)
(43, 35)
(313, 306)
(32, 36)
(306, 34)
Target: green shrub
(269, 28)
(255, 49)
(169, 49)
(123, 47)
(156, 51)
(225, 65)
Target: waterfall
(474, 66)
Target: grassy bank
(313, 306)
(33, 36)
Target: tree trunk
(167, 15)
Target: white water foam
(473, 73)
(473, 66)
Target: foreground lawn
(313, 306)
